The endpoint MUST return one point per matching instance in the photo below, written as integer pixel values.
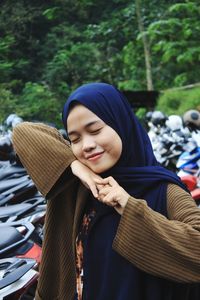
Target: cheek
(76, 150)
(117, 150)
(114, 146)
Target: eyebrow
(86, 126)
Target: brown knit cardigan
(168, 248)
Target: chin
(100, 169)
(97, 170)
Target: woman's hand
(112, 194)
(106, 190)
(87, 176)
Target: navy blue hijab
(107, 275)
(137, 170)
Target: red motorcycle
(193, 184)
(20, 257)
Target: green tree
(49, 47)
(37, 102)
(147, 54)
(8, 103)
(175, 39)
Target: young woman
(118, 225)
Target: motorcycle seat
(14, 209)
(10, 183)
(8, 236)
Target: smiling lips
(95, 156)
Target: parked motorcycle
(18, 278)
(20, 257)
(22, 216)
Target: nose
(88, 144)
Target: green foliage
(73, 66)
(37, 102)
(140, 113)
(51, 13)
(6, 63)
(48, 48)
(7, 102)
(184, 9)
(179, 101)
(133, 68)
(175, 39)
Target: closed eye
(95, 131)
(75, 140)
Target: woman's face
(93, 142)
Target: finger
(105, 190)
(109, 180)
(110, 203)
(99, 181)
(101, 186)
(93, 189)
(110, 197)
(97, 178)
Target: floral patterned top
(86, 223)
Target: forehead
(80, 115)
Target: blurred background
(48, 48)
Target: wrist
(74, 162)
(74, 165)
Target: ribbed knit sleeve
(44, 153)
(168, 248)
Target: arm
(157, 245)
(43, 152)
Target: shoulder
(176, 192)
(180, 203)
